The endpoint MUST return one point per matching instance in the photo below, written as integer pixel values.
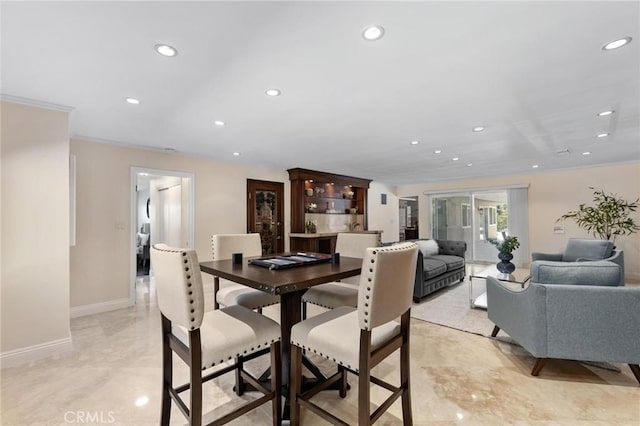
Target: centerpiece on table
(505, 248)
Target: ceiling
(532, 73)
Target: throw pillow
(428, 247)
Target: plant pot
(505, 266)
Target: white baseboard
(96, 308)
(33, 353)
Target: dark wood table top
(281, 281)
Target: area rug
(450, 307)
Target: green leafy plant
(508, 245)
(608, 218)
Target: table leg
(289, 315)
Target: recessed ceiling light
(219, 123)
(535, 166)
(437, 151)
(603, 135)
(415, 142)
(273, 92)
(455, 158)
(478, 128)
(469, 164)
(372, 33)
(236, 154)
(166, 50)
(617, 43)
(132, 101)
(586, 153)
(605, 113)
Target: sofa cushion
(452, 262)
(433, 268)
(587, 249)
(599, 273)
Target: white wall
(35, 231)
(100, 261)
(384, 217)
(551, 194)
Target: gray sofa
(590, 319)
(441, 270)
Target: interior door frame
(133, 217)
(277, 187)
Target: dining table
(290, 284)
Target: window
(466, 215)
(492, 215)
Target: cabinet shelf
(326, 191)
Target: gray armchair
(578, 250)
(576, 322)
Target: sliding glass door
(475, 216)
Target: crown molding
(35, 103)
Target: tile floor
(113, 377)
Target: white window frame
(465, 219)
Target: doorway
(265, 214)
(162, 211)
(408, 219)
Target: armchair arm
(600, 273)
(521, 314)
(546, 256)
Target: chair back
(224, 245)
(586, 249)
(178, 285)
(355, 245)
(386, 283)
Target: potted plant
(610, 217)
(505, 248)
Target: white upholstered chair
(223, 246)
(358, 339)
(343, 293)
(207, 339)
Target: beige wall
(35, 226)
(551, 194)
(101, 259)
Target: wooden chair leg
(495, 331)
(239, 379)
(195, 378)
(276, 384)
(635, 369)
(364, 391)
(216, 288)
(405, 374)
(537, 367)
(167, 373)
(295, 385)
(342, 392)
